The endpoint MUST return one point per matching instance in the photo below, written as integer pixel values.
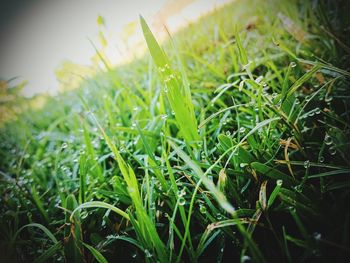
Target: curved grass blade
(98, 204)
(179, 98)
(272, 173)
(97, 254)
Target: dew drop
(242, 130)
(259, 79)
(181, 200)
(293, 64)
(218, 216)
(332, 150)
(321, 159)
(328, 98)
(246, 258)
(228, 133)
(164, 117)
(328, 140)
(242, 165)
(279, 182)
(298, 188)
(64, 145)
(317, 236)
(181, 193)
(148, 254)
(297, 101)
(202, 209)
(306, 164)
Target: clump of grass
(231, 146)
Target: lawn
(227, 143)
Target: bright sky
(40, 36)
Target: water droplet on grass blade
(242, 165)
(182, 201)
(317, 236)
(246, 258)
(219, 216)
(293, 64)
(298, 188)
(306, 164)
(332, 150)
(202, 209)
(328, 98)
(328, 140)
(279, 182)
(64, 145)
(242, 130)
(259, 79)
(148, 254)
(181, 193)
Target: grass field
(228, 144)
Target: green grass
(230, 142)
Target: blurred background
(50, 46)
